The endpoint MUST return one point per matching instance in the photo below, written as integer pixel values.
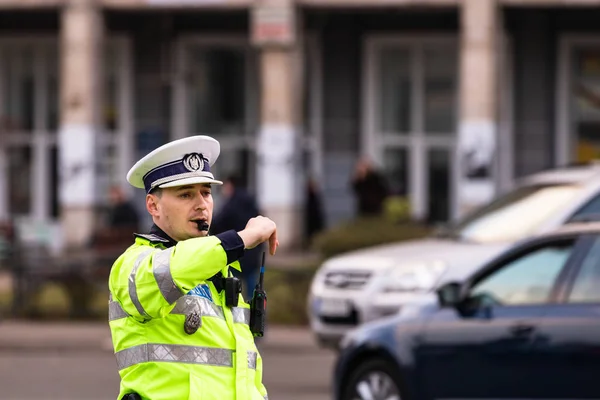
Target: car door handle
(522, 329)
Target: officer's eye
(185, 196)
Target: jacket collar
(157, 235)
(156, 231)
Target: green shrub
(287, 296)
(397, 208)
(365, 232)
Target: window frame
(42, 139)
(180, 101)
(415, 141)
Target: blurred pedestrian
(110, 239)
(313, 211)
(178, 322)
(121, 213)
(121, 222)
(369, 187)
(238, 208)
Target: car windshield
(514, 215)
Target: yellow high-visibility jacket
(153, 288)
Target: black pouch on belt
(233, 288)
(131, 396)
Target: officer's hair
(157, 192)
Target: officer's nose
(201, 203)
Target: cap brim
(190, 181)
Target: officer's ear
(152, 204)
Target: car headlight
(413, 278)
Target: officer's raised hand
(258, 230)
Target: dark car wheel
(375, 379)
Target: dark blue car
(526, 326)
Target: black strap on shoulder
(131, 396)
(157, 235)
(217, 280)
(151, 237)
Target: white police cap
(181, 162)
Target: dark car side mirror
(450, 294)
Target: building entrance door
(410, 106)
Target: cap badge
(193, 162)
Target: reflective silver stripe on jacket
(252, 356)
(132, 288)
(204, 307)
(241, 315)
(154, 352)
(186, 305)
(161, 267)
(115, 311)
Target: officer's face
(181, 211)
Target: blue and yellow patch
(201, 290)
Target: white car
(365, 285)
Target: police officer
(178, 323)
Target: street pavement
(72, 361)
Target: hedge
(366, 232)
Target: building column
(81, 97)
(477, 144)
(4, 201)
(275, 34)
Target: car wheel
(375, 379)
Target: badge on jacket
(192, 323)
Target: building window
(395, 90)
(19, 180)
(29, 121)
(412, 112)
(18, 86)
(115, 144)
(439, 107)
(586, 103)
(217, 91)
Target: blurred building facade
(452, 99)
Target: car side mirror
(450, 294)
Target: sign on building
(273, 24)
(183, 2)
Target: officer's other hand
(258, 230)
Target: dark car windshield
(514, 215)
